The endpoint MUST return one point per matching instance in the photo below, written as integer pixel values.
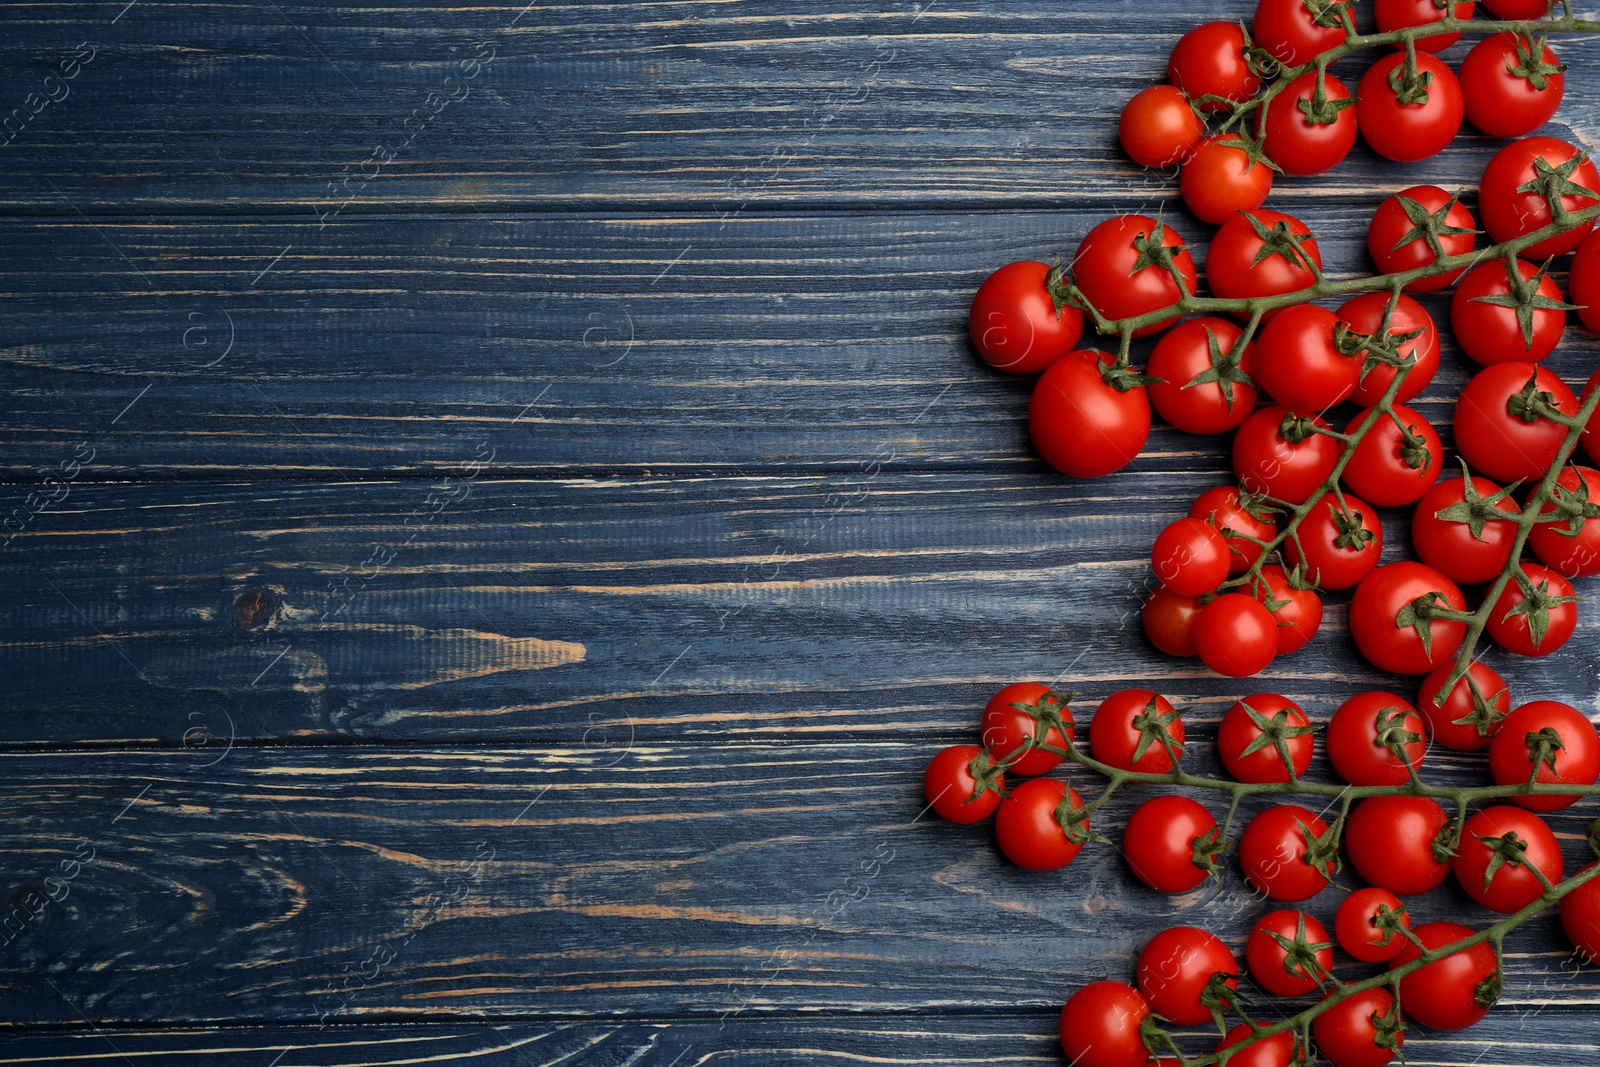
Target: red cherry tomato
(1269, 958)
(1591, 433)
(1028, 829)
(1510, 211)
(1082, 424)
(1258, 732)
(1209, 60)
(1357, 928)
(1511, 886)
(1125, 731)
(1364, 733)
(1391, 467)
(1537, 618)
(1203, 387)
(1100, 1026)
(1014, 323)
(1279, 1050)
(1162, 839)
(1169, 621)
(1236, 635)
(1364, 315)
(1291, 34)
(1572, 553)
(1190, 557)
(1274, 856)
(1303, 369)
(1583, 282)
(1481, 698)
(1223, 507)
(1296, 126)
(1236, 266)
(1337, 547)
(1408, 123)
(1220, 179)
(1174, 968)
(1386, 598)
(1158, 128)
(1442, 529)
(1443, 994)
(1493, 333)
(953, 789)
(1390, 843)
(1577, 760)
(1269, 464)
(1104, 269)
(1580, 918)
(1020, 714)
(1361, 1030)
(1512, 86)
(1298, 611)
(1397, 237)
(1498, 433)
(1398, 14)
(1518, 9)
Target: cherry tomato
(1580, 918)
(1337, 547)
(1306, 135)
(1262, 732)
(1082, 424)
(1300, 367)
(1356, 925)
(1029, 830)
(1362, 1030)
(1169, 621)
(1398, 14)
(1274, 856)
(1409, 122)
(1270, 464)
(1537, 618)
(1289, 32)
(1571, 553)
(1506, 886)
(1014, 323)
(1126, 731)
(1209, 60)
(1583, 282)
(1298, 610)
(1392, 467)
(1174, 968)
(1104, 268)
(1399, 235)
(1499, 433)
(1223, 507)
(1236, 635)
(1591, 432)
(1162, 839)
(1269, 960)
(1364, 315)
(1509, 211)
(1236, 267)
(1016, 716)
(1221, 179)
(1279, 1050)
(1158, 127)
(1456, 723)
(1443, 529)
(1518, 9)
(1381, 611)
(1492, 332)
(1203, 387)
(1443, 994)
(1190, 557)
(953, 789)
(1543, 725)
(1390, 843)
(1512, 85)
(1363, 735)
(1100, 1026)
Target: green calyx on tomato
(1351, 532)
(1531, 65)
(1154, 726)
(1420, 614)
(1475, 510)
(1390, 732)
(1275, 731)
(1063, 294)
(1389, 1030)
(1329, 12)
(1208, 846)
(1484, 716)
(1536, 602)
(1296, 428)
(1225, 370)
(1279, 240)
(1542, 748)
(1429, 226)
(1300, 953)
(1074, 822)
(1525, 298)
(1508, 848)
(1046, 715)
(1154, 251)
(1445, 843)
(1320, 110)
(1572, 507)
(1220, 996)
(987, 777)
(1322, 853)
(1554, 183)
(1410, 85)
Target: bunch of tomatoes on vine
(1268, 350)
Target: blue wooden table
(503, 509)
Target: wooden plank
(689, 878)
(547, 345)
(307, 109)
(601, 610)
